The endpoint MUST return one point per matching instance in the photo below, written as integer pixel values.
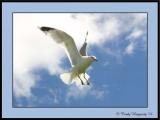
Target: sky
(118, 79)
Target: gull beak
(96, 60)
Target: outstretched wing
(83, 49)
(66, 41)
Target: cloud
(129, 49)
(134, 38)
(77, 92)
(74, 92)
(22, 83)
(55, 96)
(51, 95)
(32, 50)
(135, 34)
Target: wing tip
(44, 28)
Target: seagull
(79, 60)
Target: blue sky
(118, 79)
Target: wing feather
(68, 43)
(83, 50)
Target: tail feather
(66, 78)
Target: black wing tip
(46, 28)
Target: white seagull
(79, 60)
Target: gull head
(93, 58)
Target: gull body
(78, 59)
(81, 67)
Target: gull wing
(66, 41)
(83, 49)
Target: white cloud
(106, 63)
(23, 83)
(129, 49)
(75, 92)
(98, 94)
(33, 50)
(133, 37)
(55, 96)
(138, 34)
(135, 34)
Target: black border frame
(158, 55)
(79, 1)
(82, 13)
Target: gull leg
(81, 80)
(86, 79)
